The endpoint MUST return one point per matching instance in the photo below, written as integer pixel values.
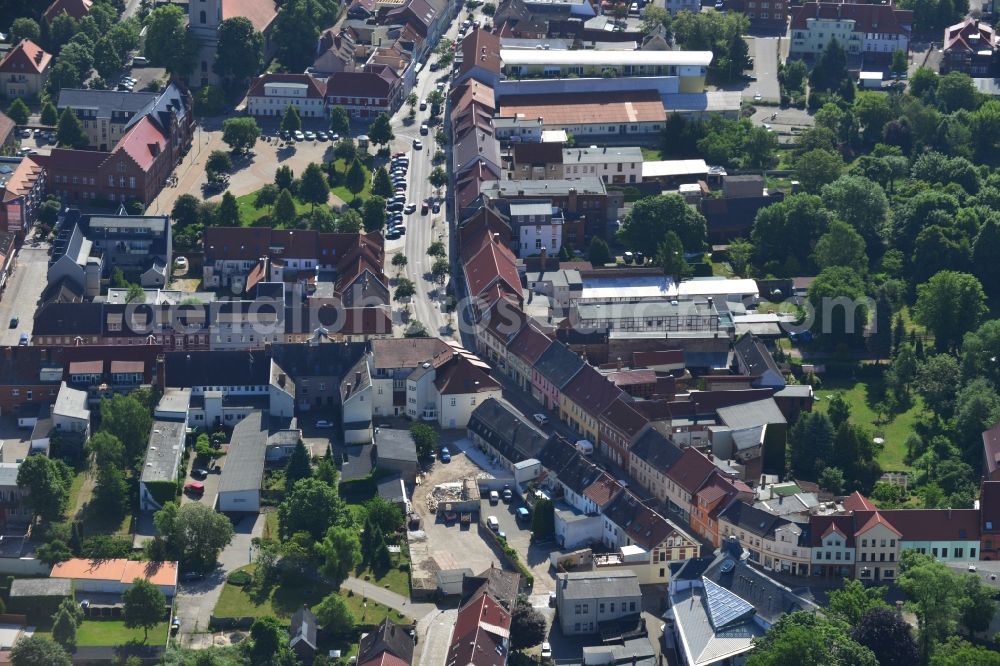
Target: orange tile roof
(124, 571)
(878, 519)
(640, 106)
(75, 8)
(26, 56)
(260, 12)
(143, 143)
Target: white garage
(243, 472)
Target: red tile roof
(385, 659)
(26, 57)
(481, 631)
(591, 390)
(7, 126)
(481, 48)
(867, 18)
(858, 502)
(379, 82)
(603, 490)
(75, 8)
(871, 520)
(529, 343)
(315, 88)
(646, 359)
(960, 36)
(632, 377)
(260, 12)
(143, 143)
(22, 180)
(924, 524)
(492, 264)
(622, 416)
(461, 377)
(410, 352)
(820, 526)
(691, 470)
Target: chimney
(619, 364)
(496, 238)
(281, 379)
(571, 200)
(161, 372)
(357, 378)
(543, 254)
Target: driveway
(765, 67)
(196, 600)
(23, 290)
(435, 636)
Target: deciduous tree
(380, 130)
(143, 606)
(340, 121)
(240, 134)
(37, 650)
(169, 42)
(950, 305)
(313, 188)
(425, 438)
(312, 506)
(70, 131)
(652, 217)
(240, 52)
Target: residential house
(618, 428)
(650, 458)
(164, 455)
(870, 34)
(989, 520)
(772, 542)
(461, 385)
(614, 165)
(628, 113)
(106, 115)
(272, 94)
(765, 15)
(755, 361)
(28, 376)
(392, 361)
(303, 635)
(525, 348)
(969, 47)
(140, 245)
(76, 9)
(555, 367)
(491, 273)
(684, 478)
(585, 599)
(115, 576)
(365, 94)
(24, 71)
(538, 226)
(718, 493)
(481, 636)
(395, 451)
(732, 215)
(71, 414)
(583, 398)
(335, 52)
(644, 540)
(536, 161)
(831, 538)
(480, 59)
(22, 187)
(503, 434)
(389, 644)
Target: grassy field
(371, 612)
(651, 155)
(249, 214)
(345, 194)
(94, 521)
(859, 396)
(97, 633)
(394, 580)
(283, 600)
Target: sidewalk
(388, 598)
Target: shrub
(239, 578)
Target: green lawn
(895, 432)
(283, 600)
(97, 633)
(249, 214)
(345, 194)
(394, 580)
(371, 612)
(651, 154)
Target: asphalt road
(765, 67)
(22, 292)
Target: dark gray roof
(387, 637)
(244, 468)
(558, 364)
(106, 101)
(164, 451)
(319, 360)
(391, 489)
(217, 368)
(754, 355)
(753, 520)
(359, 464)
(395, 444)
(304, 626)
(654, 448)
(598, 584)
(41, 587)
(503, 428)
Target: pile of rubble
(442, 494)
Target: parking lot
(22, 292)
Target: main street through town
(427, 306)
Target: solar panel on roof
(724, 607)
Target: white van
(493, 523)
(585, 446)
(140, 61)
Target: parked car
(392, 234)
(418, 144)
(323, 423)
(193, 575)
(507, 494)
(423, 105)
(540, 419)
(410, 208)
(546, 651)
(445, 454)
(494, 497)
(23, 341)
(175, 626)
(322, 136)
(424, 129)
(199, 473)
(493, 523)
(299, 136)
(14, 322)
(195, 488)
(181, 263)
(140, 61)
(423, 208)
(436, 207)
(310, 136)
(523, 514)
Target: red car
(195, 488)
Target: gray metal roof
(71, 403)
(41, 587)
(105, 101)
(244, 468)
(519, 208)
(395, 444)
(603, 155)
(8, 474)
(164, 452)
(751, 414)
(541, 188)
(598, 585)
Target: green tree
(284, 178)
(299, 466)
(543, 520)
(841, 245)
(373, 214)
(438, 177)
(284, 212)
(888, 636)
(955, 91)
(37, 650)
(399, 261)
(240, 134)
(899, 62)
(830, 72)
(978, 606)
(354, 179)
(53, 552)
(816, 168)
(194, 533)
(670, 257)
(240, 52)
(851, 602)
(405, 289)
(107, 59)
(437, 249)
(291, 121)
(932, 595)
(862, 204)
(47, 486)
(958, 652)
(381, 185)
(386, 517)
(646, 226)
(111, 492)
(49, 115)
(808, 639)
(839, 410)
(527, 627)
(169, 43)
(313, 188)
(18, 111)
(599, 253)
(269, 642)
(228, 212)
(296, 31)
(425, 438)
(810, 443)
(349, 222)
(24, 28)
(440, 269)
(986, 256)
(143, 606)
(107, 450)
(312, 507)
(839, 302)
(219, 161)
(64, 628)
(70, 131)
(380, 130)
(334, 615)
(340, 121)
(341, 552)
(950, 305)
(936, 383)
